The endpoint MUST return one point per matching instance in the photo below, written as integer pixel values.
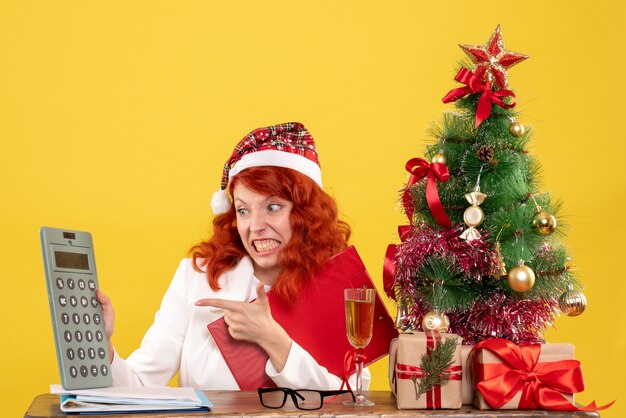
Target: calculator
(77, 321)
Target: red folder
(316, 322)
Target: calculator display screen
(71, 260)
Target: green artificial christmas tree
(483, 254)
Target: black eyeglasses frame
(293, 393)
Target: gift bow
(542, 384)
(473, 84)
(420, 168)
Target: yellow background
(116, 117)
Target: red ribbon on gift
(420, 168)
(542, 384)
(488, 97)
(433, 396)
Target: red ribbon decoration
(473, 84)
(349, 362)
(420, 168)
(542, 384)
(389, 265)
(433, 396)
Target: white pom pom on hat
(287, 145)
(220, 202)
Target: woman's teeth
(265, 245)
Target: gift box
(537, 376)
(411, 359)
(467, 385)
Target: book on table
(126, 400)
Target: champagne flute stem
(359, 371)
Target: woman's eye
(242, 211)
(273, 207)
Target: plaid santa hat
(287, 145)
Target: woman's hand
(108, 314)
(254, 322)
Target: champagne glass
(359, 329)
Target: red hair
(317, 233)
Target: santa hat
(287, 145)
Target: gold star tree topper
(492, 60)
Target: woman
(279, 230)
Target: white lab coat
(179, 340)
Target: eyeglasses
(302, 398)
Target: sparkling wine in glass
(359, 329)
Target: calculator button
(104, 370)
(99, 335)
(70, 283)
(101, 353)
(86, 319)
(94, 301)
(76, 318)
(92, 285)
(73, 301)
(73, 371)
(83, 371)
(94, 370)
(96, 319)
(70, 354)
(79, 336)
(81, 353)
(88, 334)
(91, 353)
(60, 283)
(65, 318)
(62, 300)
(81, 284)
(84, 301)
(68, 336)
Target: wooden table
(246, 404)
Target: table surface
(246, 404)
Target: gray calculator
(77, 321)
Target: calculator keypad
(84, 352)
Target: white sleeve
(156, 361)
(301, 371)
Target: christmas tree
(483, 254)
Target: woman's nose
(257, 222)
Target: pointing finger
(231, 305)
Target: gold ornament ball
(435, 321)
(572, 303)
(521, 278)
(439, 158)
(545, 222)
(516, 129)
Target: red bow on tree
(542, 384)
(420, 168)
(473, 84)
